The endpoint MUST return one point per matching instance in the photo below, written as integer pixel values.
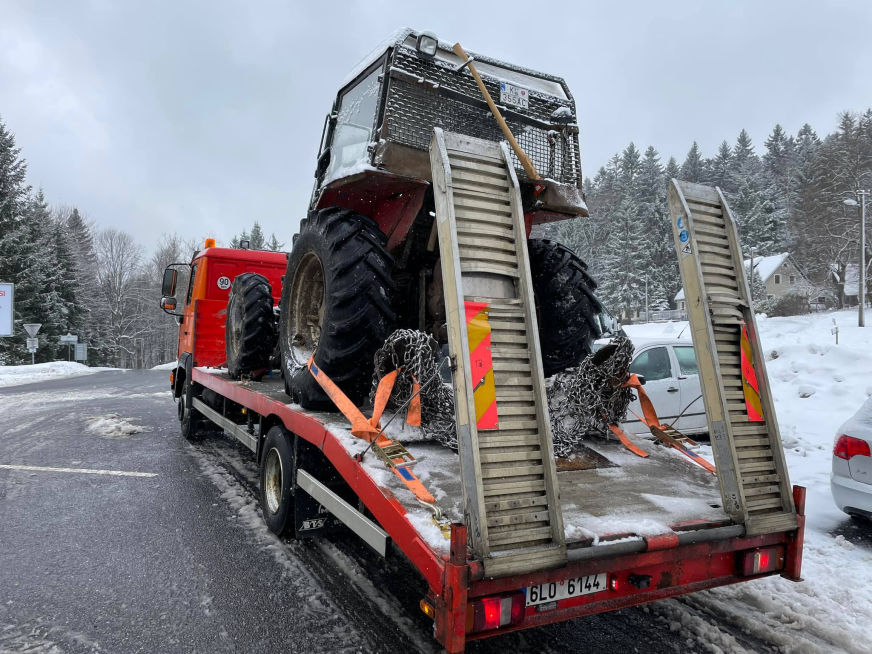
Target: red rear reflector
(762, 560)
(494, 612)
(847, 447)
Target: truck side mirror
(168, 285)
(168, 303)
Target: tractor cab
(374, 158)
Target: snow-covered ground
(817, 385)
(15, 375)
(170, 365)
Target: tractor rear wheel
(566, 306)
(250, 333)
(336, 305)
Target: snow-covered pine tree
(273, 244)
(657, 249)
(37, 296)
(258, 241)
(693, 168)
(719, 168)
(13, 197)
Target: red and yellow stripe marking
(749, 380)
(484, 389)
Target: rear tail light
(848, 446)
(489, 613)
(763, 559)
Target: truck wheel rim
(307, 312)
(272, 480)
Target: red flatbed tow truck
(631, 529)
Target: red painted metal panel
(384, 506)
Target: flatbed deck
(644, 529)
(633, 496)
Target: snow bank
(16, 375)
(817, 385)
(169, 365)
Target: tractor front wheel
(336, 305)
(250, 333)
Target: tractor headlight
(427, 44)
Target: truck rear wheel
(276, 481)
(250, 333)
(566, 306)
(335, 305)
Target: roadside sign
(7, 301)
(69, 339)
(32, 344)
(32, 328)
(81, 352)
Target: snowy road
(181, 561)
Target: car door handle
(672, 389)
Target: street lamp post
(861, 276)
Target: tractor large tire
(336, 305)
(566, 305)
(250, 333)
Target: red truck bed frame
(639, 570)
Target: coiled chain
(415, 352)
(587, 399)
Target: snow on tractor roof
(531, 79)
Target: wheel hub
(273, 479)
(307, 310)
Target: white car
(851, 481)
(672, 382)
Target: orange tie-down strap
(649, 417)
(368, 428)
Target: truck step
(750, 459)
(504, 433)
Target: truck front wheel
(336, 305)
(190, 420)
(276, 481)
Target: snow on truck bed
(626, 494)
(632, 496)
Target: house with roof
(779, 275)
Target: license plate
(514, 95)
(559, 590)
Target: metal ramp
(510, 484)
(747, 445)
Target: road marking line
(89, 471)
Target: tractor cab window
(354, 124)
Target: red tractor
(366, 259)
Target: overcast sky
(199, 117)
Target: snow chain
(581, 401)
(589, 398)
(415, 353)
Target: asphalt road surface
(176, 558)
